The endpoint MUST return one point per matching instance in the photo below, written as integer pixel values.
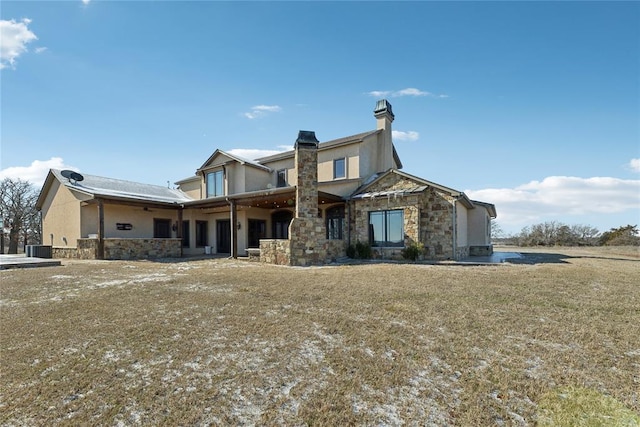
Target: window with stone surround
(386, 228)
(339, 168)
(335, 222)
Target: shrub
(413, 251)
(359, 251)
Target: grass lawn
(553, 339)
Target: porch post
(100, 254)
(179, 230)
(234, 230)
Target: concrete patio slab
(21, 261)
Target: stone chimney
(306, 148)
(307, 231)
(384, 117)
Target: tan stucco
(60, 217)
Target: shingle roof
(120, 189)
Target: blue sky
(533, 106)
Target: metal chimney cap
(307, 138)
(383, 106)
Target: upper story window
(282, 178)
(339, 168)
(215, 184)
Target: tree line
(554, 233)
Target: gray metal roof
(120, 189)
(390, 193)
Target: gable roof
(423, 184)
(114, 189)
(233, 157)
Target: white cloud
(558, 196)
(410, 91)
(40, 49)
(405, 136)
(85, 2)
(634, 165)
(36, 172)
(14, 37)
(261, 110)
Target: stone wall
(484, 250)
(279, 251)
(122, 249)
(275, 251)
(142, 248)
(86, 249)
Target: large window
(386, 228)
(339, 168)
(335, 221)
(202, 233)
(215, 184)
(282, 178)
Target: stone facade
(123, 249)
(427, 216)
(86, 249)
(142, 248)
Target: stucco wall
(479, 227)
(193, 188)
(60, 217)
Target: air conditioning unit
(38, 251)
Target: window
(185, 234)
(335, 221)
(339, 168)
(215, 184)
(282, 178)
(202, 233)
(161, 228)
(386, 228)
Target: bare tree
(18, 211)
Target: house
(299, 207)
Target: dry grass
(219, 342)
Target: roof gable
(421, 185)
(219, 153)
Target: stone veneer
(278, 251)
(122, 249)
(307, 243)
(428, 218)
